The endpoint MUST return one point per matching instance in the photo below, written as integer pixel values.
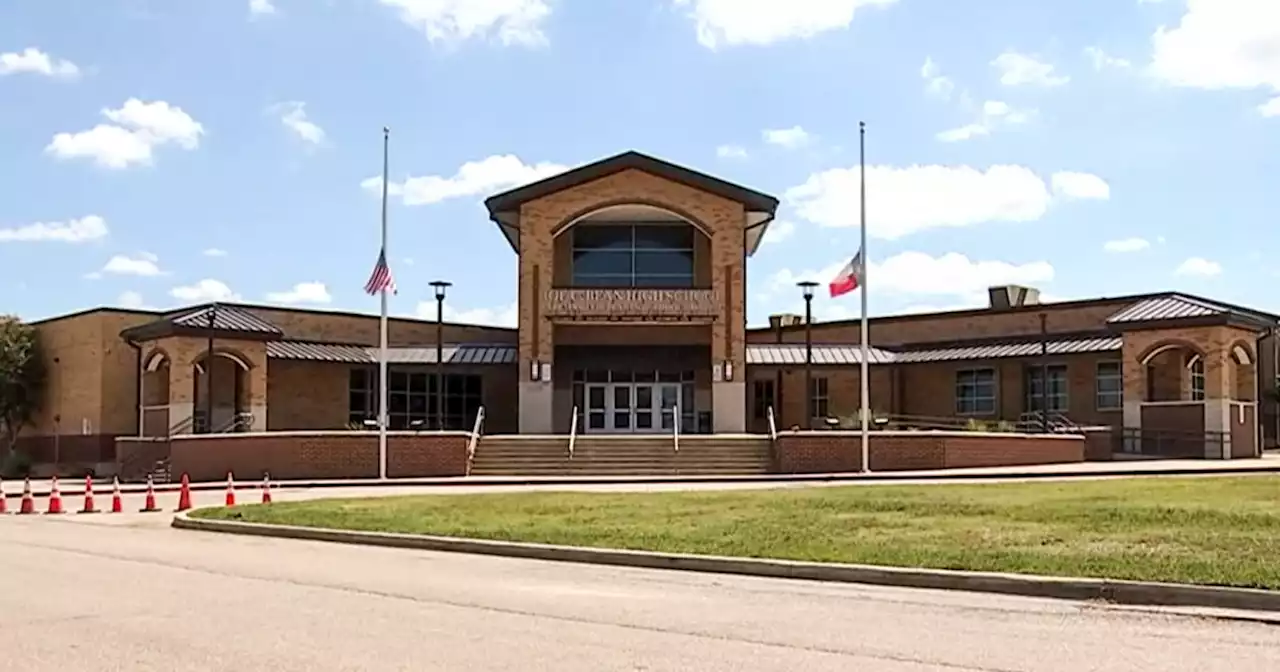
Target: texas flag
(849, 278)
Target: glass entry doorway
(631, 408)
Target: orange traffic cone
(4, 499)
(88, 497)
(266, 488)
(28, 502)
(231, 491)
(55, 498)
(117, 502)
(149, 504)
(184, 495)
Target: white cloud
(779, 231)
(214, 252)
(132, 300)
(138, 129)
(34, 61)
(1270, 108)
(1084, 186)
(731, 152)
(995, 114)
(510, 22)
(1102, 60)
(916, 198)
(1123, 245)
(790, 138)
(491, 174)
(761, 22)
(204, 290)
(1198, 266)
(303, 292)
(504, 316)
(143, 264)
(936, 84)
(1021, 69)
(81, 230)
(261, 7)
(955, 279)
(1221, 44)
(294, 117)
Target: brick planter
(806, 452)
(318, 455)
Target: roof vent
(1005, 297)
(784, 320)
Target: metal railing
(773, 424)
(1035, 421)
(1170, 443)
(573, 431)
(675, 427)
(238, 423)
(476, 428)
(183, 426)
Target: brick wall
(827, 452)
(318, 455)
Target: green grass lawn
(1221, 531)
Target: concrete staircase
(623, 455)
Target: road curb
(1080, 589)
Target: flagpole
(865, 366)
(382, 323)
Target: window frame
(819, 398)
(633, 279)
(763, 395)
(1197, 381)
(975, 400)
(1031, 397)
(1099, 393)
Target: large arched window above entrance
(639, 246)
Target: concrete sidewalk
(1269, 463)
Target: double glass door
(631, 408)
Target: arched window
(645, 255)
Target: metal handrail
(573, 431)
(475, 438)
(675, 427)
(773, 424)
(182, 425)
(236, 422)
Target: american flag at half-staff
(380, 280)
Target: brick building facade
(632, 299)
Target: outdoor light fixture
(728, 370)
(806, 289)
(440, 287)
(535, 371)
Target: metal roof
(1171, 307)
(1004, 350)
(358, 354)
(225, 318)
(823, 354)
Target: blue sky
(159, 153)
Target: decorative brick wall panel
(318, 455)
(834, 452)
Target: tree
(22, 377)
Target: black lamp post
(208, 370)
(806, 288)
(440, 287)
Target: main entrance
(631, 408)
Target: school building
(632, 294)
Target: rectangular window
(763, 398)
(976, 392)
(633, 255)
(362, 401)
(1109, 386)
(1057, 388)
(1197, 380)
(819, 405)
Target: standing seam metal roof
(1172, 307)
(225, 318)
(358, 354)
